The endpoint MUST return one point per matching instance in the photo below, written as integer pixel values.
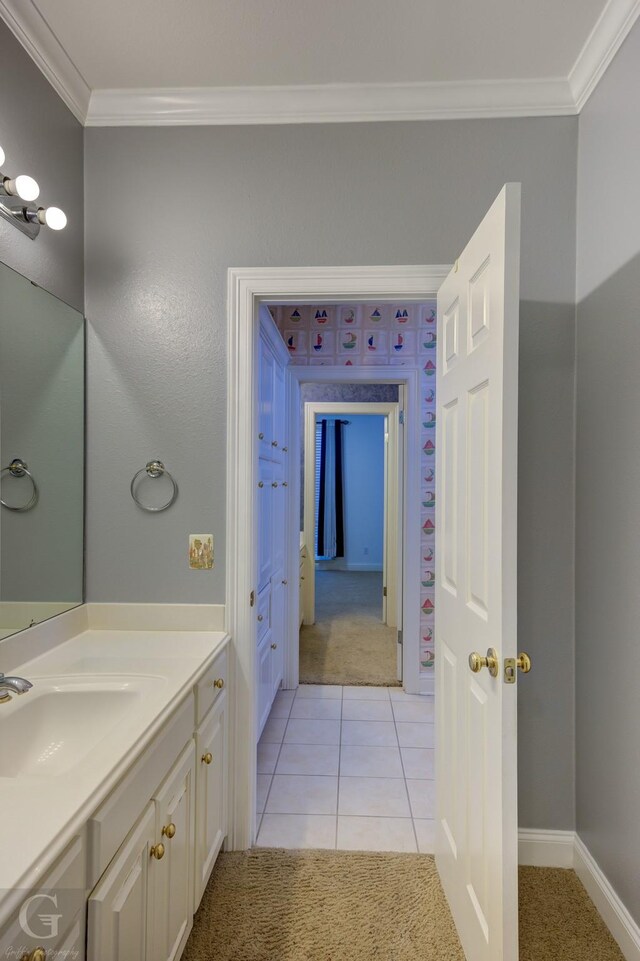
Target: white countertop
(40, 814)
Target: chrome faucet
(13, 685)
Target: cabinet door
(266, 365)
(264, 680)
(278, 618)
(265, 521)
(173, 873)
(278, 439)
(211, 792)
(118, 922)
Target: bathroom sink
(52, 728)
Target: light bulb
(53, 217)
(26, 188)
(2, 156)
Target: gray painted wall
(41, 137)
(319, 194)
(608, 469)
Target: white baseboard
(545, 849)
(611, 909)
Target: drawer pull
(261, 484)
(169, 831)
(273, 647)
(219, 681)
(207, 758)
(157, 851)
(260, 436)
(260, 617)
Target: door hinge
(384, 592)
(252, 598)
(400, 638)
(401, 418)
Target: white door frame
(392, 576)
(247, 288)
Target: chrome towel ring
(155, 468)
(18, 468)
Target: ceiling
(509, 57)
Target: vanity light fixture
(16, 205)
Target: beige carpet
(274, 905)
(348, 644)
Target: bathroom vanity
(114, 778)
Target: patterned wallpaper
(397, 335)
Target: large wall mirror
(41, 454)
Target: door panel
(476, 753)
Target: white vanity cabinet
(143, 904)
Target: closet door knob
(157, 851)
(273, 647)
(260, 617)
(285, 484)
(261, 436)
(274, 483)
(169, 831)
(285, 450)
(207, 758)
(260, 483)
(285, 582)
(274, 443)
(219, 683)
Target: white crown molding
(602, 44)
(324, 103)
(34, 33)
(329, 103)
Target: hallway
(349, 643)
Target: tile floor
(348, 768)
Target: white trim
(155, 617)
(246, 289)
(330, 103)
(545, 849)
(611, 909)
(36, 36)
(602, 44)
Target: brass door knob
(169, 831)
(273, 647)
(38, 954)
(523, 661)
(512, 664)
(219, 683)
(207, 758)
(477, 662)
(157, 851)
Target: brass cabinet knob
(157, 851)
(284, 484)
(285, 450)
(302, 577)
(285, 582)
(477, 662)
(169, 831)
(274, 443)
(260, 436)
(207, 758)
(274, 483)
(260, 483)
(219, 681)
(273, 647)
(260, 617)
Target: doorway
(351, 543)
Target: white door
(476, 752)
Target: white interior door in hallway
(476, 746)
